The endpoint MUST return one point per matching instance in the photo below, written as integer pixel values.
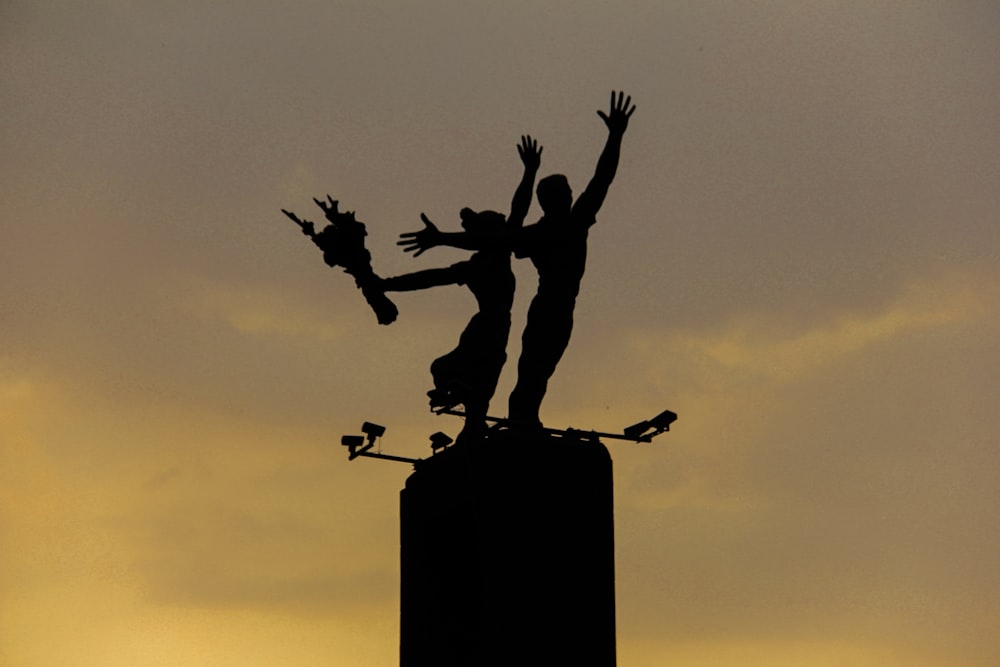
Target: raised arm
(531, 156)
(616, 119)
(430, 235)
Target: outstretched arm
(430, 236)
(607, 165)
(531, 156)
(422, 279)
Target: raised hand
(617, 118)
(425, 239)
(307, 227)
(530, 152)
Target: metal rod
(389, 457)
(556, 431)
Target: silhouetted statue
(557, 246)
(469, 373)
(343, 245)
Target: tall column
(507, 549)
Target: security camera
(662, 421)
(352, 440)
(440, 440)
(372, 430)
(635, 431)
(645, 430)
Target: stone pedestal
(507, 549)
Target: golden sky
(799, 256)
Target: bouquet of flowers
(343, 245)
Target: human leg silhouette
(546, 334)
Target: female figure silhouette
(468, 374)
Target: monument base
(507, 550)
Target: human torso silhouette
(557, 247)
(469, 373)
(490, 279)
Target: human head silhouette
(554, 194)
(483, 221)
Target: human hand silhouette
(425, 239)
(530, 152)
(617, 118)
(329, 207)
(306, 226)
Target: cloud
(217, 554)
(862, 650)
(841, 487)
(258, 311)
(183, 506)
(805, 213)
(760, 350)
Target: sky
(799, 256)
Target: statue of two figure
(556, 246)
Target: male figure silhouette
(469, 373)
(557, 246)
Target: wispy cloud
(258, 311)
(764, 351)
